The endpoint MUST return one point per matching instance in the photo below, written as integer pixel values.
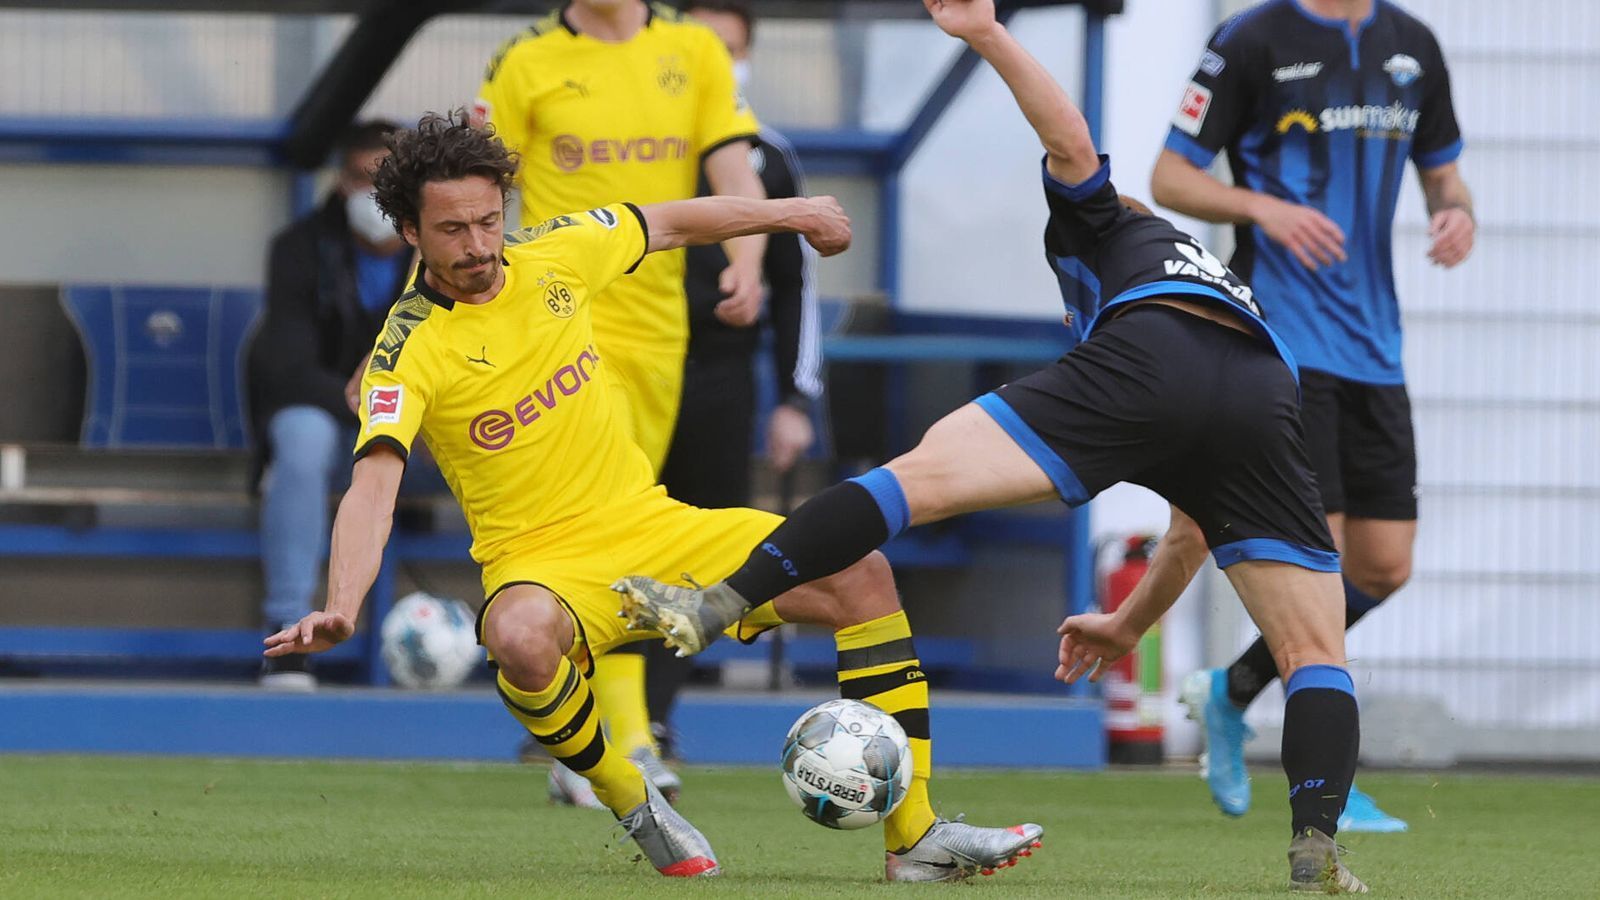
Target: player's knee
(1379, 578)
(923, 475)
(524, 636)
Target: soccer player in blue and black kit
(1319, 105)
(1179, 385)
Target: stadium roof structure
(382, 30)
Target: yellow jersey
(597, 122)
(509, 394)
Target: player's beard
(466, 282)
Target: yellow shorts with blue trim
(653, 535)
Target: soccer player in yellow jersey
(491, 356)
(621, 99)
(611, 99)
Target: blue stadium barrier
(744, 729)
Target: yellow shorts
(655, 536)
(650, 382)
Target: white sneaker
(568, 788)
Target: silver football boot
(656, 772)
(951, 851)
(1314, 866)
(676, 848)
(688, 618)
(568, 788)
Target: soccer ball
(430, 642)
(847, 764)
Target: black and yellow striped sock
(561, 716)
(878, 664)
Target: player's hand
(1453, 232)
(313, 634)
(1090, 643)
(1312, 237)
(963, 19)
(352, 388)
(740, 284)
(789, 434)
(827, 228)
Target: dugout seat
(164, 364)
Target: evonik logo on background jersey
(571, 152)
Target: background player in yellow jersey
(613, 99)
(491, 356)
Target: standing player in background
(613, 99)
(1319, 104)
(709, 462)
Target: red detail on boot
(688, 868)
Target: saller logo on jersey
(1192, 109)
(383, 405)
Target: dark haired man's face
(461, 236)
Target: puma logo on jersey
(483, 358)
(580, 87)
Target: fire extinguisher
(1133, 684)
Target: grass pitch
(116, 827)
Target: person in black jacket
(331, 279)
(708, 464)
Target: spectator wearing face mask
(331, 278)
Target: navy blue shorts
(1204, 415)
(1362, 446)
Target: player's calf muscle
(861, 593)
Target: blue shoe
(1205, 693)
(1362, 815)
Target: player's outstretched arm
(1091, 642)
(360, 531)
(1070, 153)
(709, 220)
(1180, 185)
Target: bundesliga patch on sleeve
(480, 113)
(383, 405)
(1212, 63)
(1192, 109)
(604, 216)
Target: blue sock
(824, 535)
(1357, 603)
(1321, 740)
(1255, 668)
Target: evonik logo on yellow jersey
(570, 152)
(494, 429)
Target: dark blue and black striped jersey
(1106, 255)
(1317, 114)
